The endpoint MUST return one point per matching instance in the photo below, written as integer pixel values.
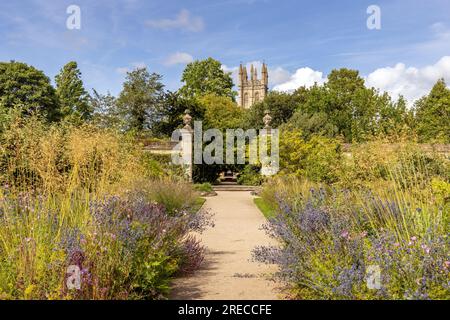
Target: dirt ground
(228, 271)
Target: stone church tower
(253, 90)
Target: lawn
(199, 202)
(265, 208)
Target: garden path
(228, 271)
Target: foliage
(73, 98)
(105, 112)
(206, 77)
(204, 187)
(310, 124)
(280, 105)
(370, 164)
(220, 112)
(207, 173)
(125, 247)
(75, 196)
(160, 166)
(316, 159)
(141, 97)
(63, 157)
(330, 238)
(250, 176)
(433, 114)
(344, 107)
(172, 111)
(175, 196)
(23, 86)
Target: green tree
(394, 118)
(318, 159)
(345, 107)
(346, 99)
(105, 112)
(280, 105)
(140, 99)
(433, 114)
(221, 112)
(205, 77)
(73, 98)
(310, 124)
(23, 86)
(172, 111)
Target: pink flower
(413, 238)
(426, 248)
(345, 235)
(447, 264)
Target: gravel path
(228, 271)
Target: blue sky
(302, 41)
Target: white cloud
(178, 58)
(184, 21)
(302, 77)
(411, 82)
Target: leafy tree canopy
(172, 111)
(206, 77)
(141, 98)
(433, 114)
(105, 111)
(25, 87)
(280, 105)
(73, 98)
(221, 112)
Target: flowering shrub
(330, 240)
(125, 247)
(66, 205)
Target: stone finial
(267, 119)
(187, 120)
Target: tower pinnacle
(255, 90)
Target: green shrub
(331, 236)
(317, 159)
(85, 197)
(204, 187)
(175, 196)
(250, 176)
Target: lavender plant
(329, 239)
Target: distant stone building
(253, 90)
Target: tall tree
(73, 98)
(172, 111)
(221, 112)
(25, 87)
(280, 105)
(141, 98)
(433, 114)
(347, 99)
(206, 77)
(105, 111)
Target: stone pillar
(269, 166)
(187, 145)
